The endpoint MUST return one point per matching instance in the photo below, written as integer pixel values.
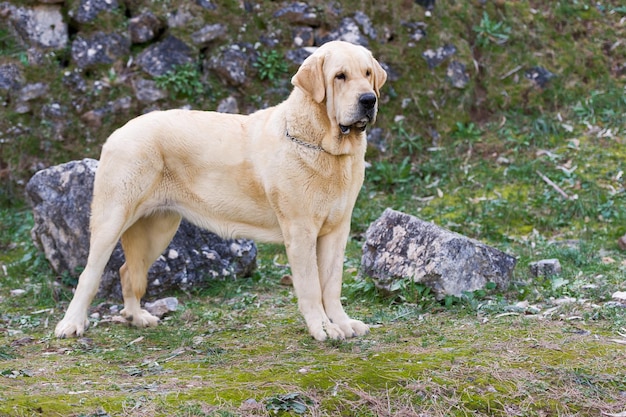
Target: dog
(285, 174)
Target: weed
(488, 31)
(271, 65)
(183, 82)
(387, 174)
(408, 143)
(295, 401)
(10, 47)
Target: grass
(476, 161)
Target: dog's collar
(305, 144)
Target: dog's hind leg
(105, 233)
(143, 242)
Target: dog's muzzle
(367, 107)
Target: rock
(436, 57)
(206, 4)
(426, 4)
(208, 34)
(348, 31)
(42, 25)
(457, 74)
(33, 91)
(299, 13)
(94, 117)
(365, 23)
(621, 242)
(619, 296)
(417, 31)
(28, 93)
(180, 18)
(297, 56)
(11, 77)
(376, 137)
(539, 76)
(232, 63)
(74, 81)
(162, 306)
(99, 48)
(165, 56)
(545, 268)
(400, 246)
(61, 196)
(88, 10)
(147, 91)
(145, 27)
(303, 36)
(228, 105)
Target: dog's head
(347, 79)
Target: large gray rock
(435, 57)
(145, 27)
(299, 13)
(41, 25)
(99, 48)
(348, 31)
(400, 246)
(233, 63)
(61, 198)
(11, 77)
(165, 56)
(87, 10)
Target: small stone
(18, 292)
(299, 13)
(162, 306)
(619, 296)
(539, 76)
(147, 91)
(286, 280)
(208, 34)
(457, 75)
(621, 242)
(435, 57)
(144, 28)
(545, 268)
(426, 4)
(228, 105)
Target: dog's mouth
(359, 125)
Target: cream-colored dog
(289, 173)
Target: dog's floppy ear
(380, 76)
(310, 77)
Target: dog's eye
(341, 76)
(368, 73)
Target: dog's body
(290, 173)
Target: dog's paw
(71, 327)
(140, 318)
(354, 328)
(327, 330)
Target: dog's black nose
(367, 100)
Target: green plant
(183, 81)
(387, 174)
(270, 65)
(408, 143)
(488, 31)
(295, 401)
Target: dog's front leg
(301, 250)
(330, 254)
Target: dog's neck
(310, 128)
